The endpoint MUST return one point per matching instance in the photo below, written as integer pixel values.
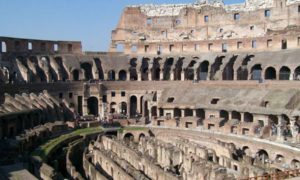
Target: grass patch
(44, 150)
(131, 128)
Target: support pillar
(182, 75)
(195, 75)
(279, 129)
(161, 75)
(139, 74)
(229, 115)
(182, 112)
(194, 113)
(149, 76)
(242, 117)
(172, 75)
(294, 129)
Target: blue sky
(89, 21)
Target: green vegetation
(44, 150)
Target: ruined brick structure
(214, 87)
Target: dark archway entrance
(92, 104)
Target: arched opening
(279, 158)
(188, 112)
(203, 72)
(256, 72)
(61, 69)
(40, 75)
(133, 106)
(284, 73)
(297, 73)
(200, 113)
(75, 75)
(141, 136)
(228, 72)
(178, 69)
(132, 70)
(246, 150)
(122, 75)
(168, 68)
(99, 68)
(111, 75)
(242, 72)
(236, 115)
(123, 108)
(215, 67)
(224, 114)
(177, 113)
(295, 164)
(154, 111)
(156, 69)
(128, 137)
(53, 76)
(113, 107)
(87, 69)
(3, 47)
(189, 72)
(248, 117)
(92, 106)
(145, 69)
(262, 156)
(270, 73)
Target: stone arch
(284, 73)
(132, 70)
(203, 71)
(92, 106)
(224, 114)
(133, 106)
(270, 73)
(3, 47)
(53, 76)
(40, 75)
(228, 71)
(297, 73)
(6, 74)
(262, 155)
(128, 137)
(189, 71)
(188, 112)
(141, 136)
(295, 164)
(122, 75)
(256, 71)
(168, 68)
(178, 69)
(248, 117)
(99, 68)
(242, 72)
(215, 67)
(113, 107)
(156, 69)
(75, 75)
(145, 69)
(87, 70)
(246, 150)
(62, 70)
(279, 158)
(111, 75)
(123, 108)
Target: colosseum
(200, 91)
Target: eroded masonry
(201, 91)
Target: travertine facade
(213, 88)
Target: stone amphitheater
(185, 91)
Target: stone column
(242, 117)
(182, 112)
(229, 115)
(150, 76)
(105, 76)
(172, 75)
(194, 113)
(195, 75)
(294, 128)
(291, 76)
(150, 114)
(234, 74)
(138, 104)
(128, 76)
(139, 74)
(161, 75)
(182, 75)
(279, 129)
